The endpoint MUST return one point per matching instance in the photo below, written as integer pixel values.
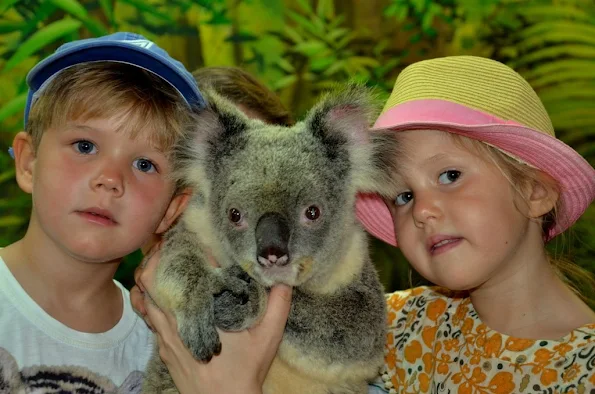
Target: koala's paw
(241, 303)
(200, 336)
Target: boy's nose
(109, 180)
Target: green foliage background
(300, 47)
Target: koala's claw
(240, 304)
(203, 345)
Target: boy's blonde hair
(142, 103)
(520, 176)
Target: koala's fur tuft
(271, 205)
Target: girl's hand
(137, 293)
(245, 357)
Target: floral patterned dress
(436, 343)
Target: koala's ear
(343, 116)
(209, 135)
(221, 119)
(342, 121)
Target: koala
(274, 204)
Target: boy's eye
(85, 147)
(449, 176)
(144, 165)
(404, 198)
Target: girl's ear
(176, 206)
(24, 160)
(542, 198)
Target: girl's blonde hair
(520, 176)
(139, 101)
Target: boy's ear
(542, 198)
(24, 160)
(176, 206)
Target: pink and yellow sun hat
(485, 100)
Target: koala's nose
(272, 239)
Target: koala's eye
(312, 212)
(234, 215)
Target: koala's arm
(203, 297)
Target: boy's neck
(80, 295)
(530, 300)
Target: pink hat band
(575, 176)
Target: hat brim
(114, 51)
(573, 173)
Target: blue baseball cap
(123, 47)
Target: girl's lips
(444, 245)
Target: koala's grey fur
(334, 338)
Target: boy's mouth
(99, 216)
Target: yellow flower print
(571, 373)
(493, 345)
(413, 351)
(501, 383)
(518, 345)
(563, 348)
(548, 376)
(435, 309)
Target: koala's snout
(272, 238)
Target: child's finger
(275, 318)
(147, 274)
(137, 300)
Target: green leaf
(542, 55)
(305, 5)
(6, 4)
(322, 63)
(149, 9)
(11, 221)
(310, 48)
(7, 175)
(559, 11)
(336, 34)
(285, 65)
(41, 38)
(563, 76)
(304, 23)
(108, 10)
(292, 34)
(73, 7)
(96, 28)
(325, 9)
(12, 107)
(7, 27)
(284, 82)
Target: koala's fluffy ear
(341, 120)
(212, 131)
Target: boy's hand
(245, 357)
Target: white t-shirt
(34, 338)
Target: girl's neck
(531, 301)
(81, 295)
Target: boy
(101, 117)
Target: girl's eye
(144, 165)
(449, 176)
(404, 198)
(85, 147)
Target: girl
(481, 185)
